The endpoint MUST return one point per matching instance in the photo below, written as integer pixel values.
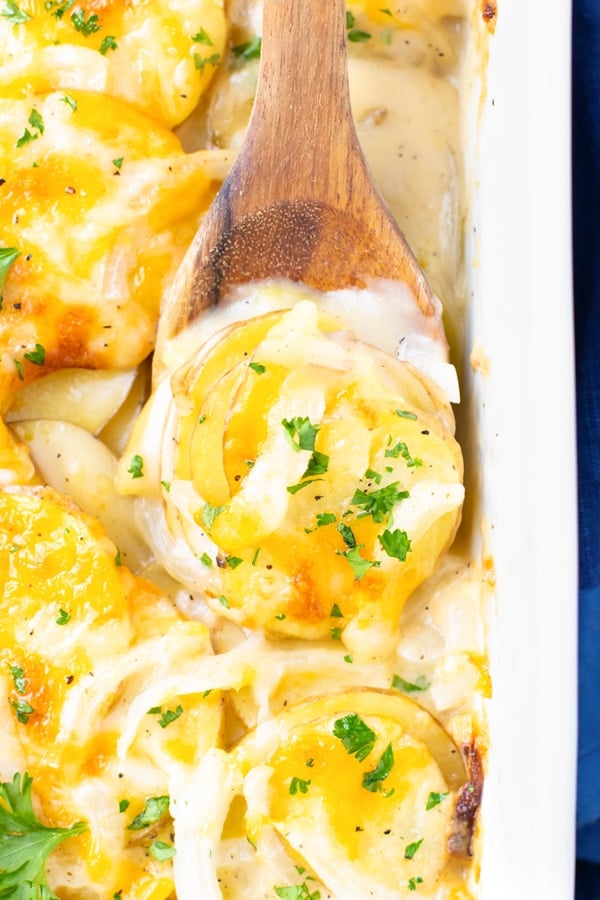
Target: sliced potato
(84, 397)
(77, 464)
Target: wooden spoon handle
(305, 147)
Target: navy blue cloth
(586, 259)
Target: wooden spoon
(299, 202)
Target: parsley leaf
(301, 432)
(84, 26)
(249, 50)
(299, 785)
(168, 716)
(14, 13)
(136, 466)
(7, 257)
(400, 449)
(410, 687)
(201, 37)
(396, 543)
(435, 799)
(347, 534)
(209, 514)
(372, 780)
(356, 736)
(37, 356)
(258, 368)
(360, 565)
(25, 843)
(317, 464)
(161, 851)
(154, 810)
(297, 892)
(23, 709)
(19, 680)
(413, 882)
(405, 414)
(325, 518)
(379, 503)
(411, 849)
(63, 617)
(200, 62)
(108, 43)
(294, 488)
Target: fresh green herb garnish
(19, 680)
(405, 414)
(124, 805)
(209, 514)
(336, 612)
(372, 780)
(13, 13)
(167, 716)
(161, 851)
(19, 368)
(347, 535)
(411, 849)
(7, 257)
(360, 566)
(25, 843)
(166, 485)
(317, 464)
(410, 687)
(223, 601)
(356, 736)
(297, 892)
(118, 162)
(372, 475)
(37, 123)
(70, 102)
(136, 466)
(258, 368)
(201, 37)
(233, 561)
(380, 503)
(299, 785)
(84, 26)
(435, 799)
(294, 488)
(348, 658)
(325, 518)
(249, 50)
(335, 633)
(108, 43)
(206, 559)
(395, 543)
(301, 432)
(413, 882)
(200, 62)
(63, 617)
(400, 449)
(23, 709)
(36, 356)
(154, 810)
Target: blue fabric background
(586, 224)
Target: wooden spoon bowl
(299, 202)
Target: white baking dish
(521, 324)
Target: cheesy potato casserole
(242, 651)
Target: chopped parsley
(255, 556)
(317, 464)
(297, 892)
(25, 843)
(258, 368)
(336, 612)
(357, 36)
(335, 633)
(410, 687)
(435, 799)
(411, 849)
(379, 503)
(405, 414)
(325, 518)
(301, 432)
(206, 559)
(201, 37)
(166, 485)
(23, 709)
(161, 851)
(395, 543)
(371, 474)
(70, 102)
(36, 356)
(167, 716)
(7, 257)
(13, 13)
(154, 810)
(360, 566)
(233, 561)
(57, 9)
(223, 601)
(400, 449)
(356, 736)
(372, 780)
(209, 514)
(118, 162)
(298, 785)
(347, 535)
(136, 466)
(108, 43)
(248, 50)
(413, 882)
(63, 617)
(19, 368)
(19, 680)
(348, 658)
(200, 62)
(294, 488)
(37, 123)
(123, 805)
(84, 26)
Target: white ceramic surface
(522, 321)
